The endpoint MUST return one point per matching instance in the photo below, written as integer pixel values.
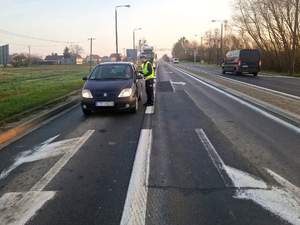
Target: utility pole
(201, 51)
(124, 53)
(29, 50)
(221, 55)
(91, 53)
(294, 38)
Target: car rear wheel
(223, 71)
(255, 74)
(136, 107)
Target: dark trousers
(149, 91)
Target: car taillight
(240, 63)
(259, 63)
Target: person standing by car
(148, 72)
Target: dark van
(242, 61)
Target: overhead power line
(32, 45)
(101, 47)
(36, 38)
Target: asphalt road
(214, 159)
(289, 85)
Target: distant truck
(242, 61)
(150, 52)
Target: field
(25, 88)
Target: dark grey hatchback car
(112, 86)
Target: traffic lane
(24, 176)
(266, 142)
(70, 125)
(184, 185)
(92, 187)
(289, 85)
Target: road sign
(4, 55)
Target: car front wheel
(136, 107)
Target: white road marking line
(18, 208)
(218, 162)
(281, 201)
(39, 186)
(172, 85)
(149, 110)
(251, 85)
(264, 113)
(16, 212)
(134, 211)
(180, 83)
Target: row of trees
(75, 50)
(267, 25)
(24, 59)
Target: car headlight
(125, 92)
(86, 93)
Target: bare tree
(76, 50)
(142, 42)
(269, 24)
(212, 41)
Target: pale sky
(163, 22)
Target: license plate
(105, 103)
(245, 66)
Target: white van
(175, 60)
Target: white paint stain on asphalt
(18, 208)
(43, 151)
(283, 201)
(27, 156)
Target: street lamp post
(221, 55)
(116, 22)
(294, 39)
(201, 49)
(134, 57)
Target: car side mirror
(139, 77)
(84, 78)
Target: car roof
(116, 63)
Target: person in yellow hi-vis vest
(148, 72)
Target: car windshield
(112, 72)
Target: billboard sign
(4, 55)
(130, 53)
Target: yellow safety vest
(145, 70)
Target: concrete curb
(26, 126)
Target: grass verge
(17, 96)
